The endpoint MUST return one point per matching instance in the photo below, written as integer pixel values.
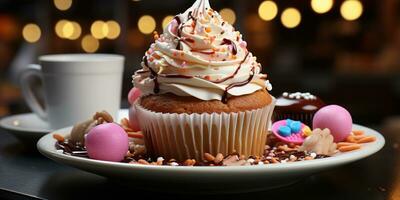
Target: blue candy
(288, 122)
(284, 131)
(295, 126)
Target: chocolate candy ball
(107, 142)
(337, 119)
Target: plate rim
(5, 125)
(309, 164)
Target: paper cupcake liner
(189, 136)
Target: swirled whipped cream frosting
(200, 55)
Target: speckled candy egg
(107, 142)
(336, 118)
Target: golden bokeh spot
(228, 15)
(290, 17)
(99, 29)
(146, 24)
(351, 9)
(67, 29)
(59, 28)
(321, 6)
(167, 20)
(90, 44)
(113, 29)
(31, 33)
(77, 31)
(63, 4)
(267, 10)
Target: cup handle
(32, 72)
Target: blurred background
(345, 51)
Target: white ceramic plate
(29, 127)
(208, 179)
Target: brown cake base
(170, 103)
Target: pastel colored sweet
(337, 119)
(133, 94)
(288, 122)
(284, 131)
(295, 138)
(108, 142)
(295, 126)
(133, 121)
(306, 131)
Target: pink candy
(133, 94)
(107, 142)
(133, 121)
(337, 119)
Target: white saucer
(208, 179)
(30, 127)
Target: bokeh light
(59, 28)
(90, 44)
(99, 29)
(167, 20)
(31, 33)
(351, 10)
(267, 10)
(321, 6)
(290, 17)
(77, 30)
(67, 29)
(146, 24)
(113, 29)
(228, 15)
(63, 4)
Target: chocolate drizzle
(179, 31)
(225, 95)
(234, 74)
(226, 41)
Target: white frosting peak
(201, 55)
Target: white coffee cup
(75, 86)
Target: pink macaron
(337, 119)
(107, 142)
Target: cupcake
(297, 106)
(202, 90)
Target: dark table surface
(26, 174)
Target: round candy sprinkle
(284, 131)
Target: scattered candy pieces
(354, 141)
